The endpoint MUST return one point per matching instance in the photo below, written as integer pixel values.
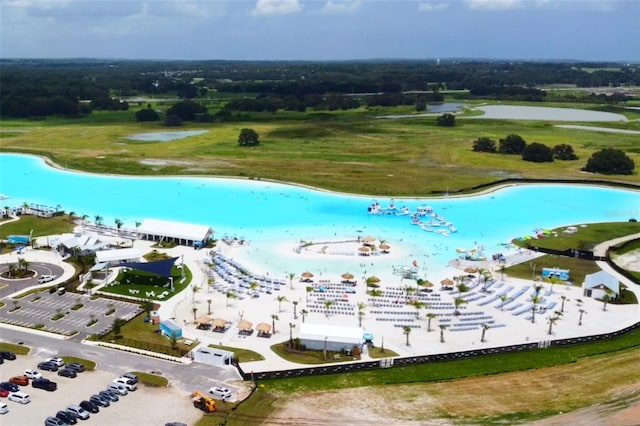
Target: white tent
(331, 337)
(178, 232)
(116, 256)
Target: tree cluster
(610, 161)
(515, 145)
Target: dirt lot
(608, 385)
(146, 406)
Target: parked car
(1, 360)
(175, 424)
(19, 397)
(20, 380)
(33, 374)
(79, 412)
(4, 393)
(131, 376)
(112, 396)
(4, 408)
(11, 387)
(7, 355)
(79, 368)
(48, 366)
(54, 421)
(127, 383)
(68, 372)
(45, 384)
(100, 401)
(117, 388)
(220, 392)
(90, 406)
(46, 278)
(66, 417)
(59, 362)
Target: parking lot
(39, 308)
(146, 406)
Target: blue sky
(594, 30)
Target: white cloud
(432, 7)
(494, 4)
(342, 6)
(277, 7)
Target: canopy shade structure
(159, 267)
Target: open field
(348, 151)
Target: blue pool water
(267, 212)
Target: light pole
(325, 347)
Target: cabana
(598, 284)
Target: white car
(33, 374)
(78, 411)
(46, 278)
(127, 383)
(19, 397)
(57, 361)
(3, 408)
(117, 388)
(220, 392)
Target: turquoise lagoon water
(266, 212)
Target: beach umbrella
(470, 270)
(364, 250)
(263, 327)
(306, 275)
(373, 279)
(428, 284)
(385, 247)
(368, 239)
(245, 325)
(447, 282)
(219, 322)
(203, 319)
(347, 276)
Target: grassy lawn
(586, 237)
(578, 267)
(179, 285)
(88, 364)
(16, 349)
(151, 379)
(309, 357)
(41, 226)
(242, 355)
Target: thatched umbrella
(364, 250)
(219, 323)
(373, 279)
(347, 276)
(263, 327)
(427, 284)
(470, 270)
(245, 325)
(306, 275)
(385, 247)
(447, 282)
(203, 319)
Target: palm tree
(458, 301)
(564, 298)
(13, 270)
(291, 327)
(71, 216)
(442, 328)
(374, 292)
(23, 264)
(194, 309)
(281, 299)
(84, 218)
(291, 277)
(295, 307)
(309, 289)
(327, 305)
(552, 320)
(253, 286)
(361, 307)
(406, 330)
(230, 295)
(194, 290)
(274, 318)
(430, 316)
(208, 306)
(137, 223)
(503, 299)
(407, 291)
(304, 313)
(582, 311)
(485, 327)
(119, 224)
(418, 305)
(462, 288)
(607, 297)
(535, 300)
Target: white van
(19, 397)
(4, 409)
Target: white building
(330, 337)
(596, 285)
(116, 256)
(176, 232)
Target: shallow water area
(164, 136)
(514, 112)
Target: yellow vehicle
(203, 402)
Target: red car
(4, 393)
(20, 380)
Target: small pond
(513, 112)
(164, 136)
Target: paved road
(187, 377)
(41, 268)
